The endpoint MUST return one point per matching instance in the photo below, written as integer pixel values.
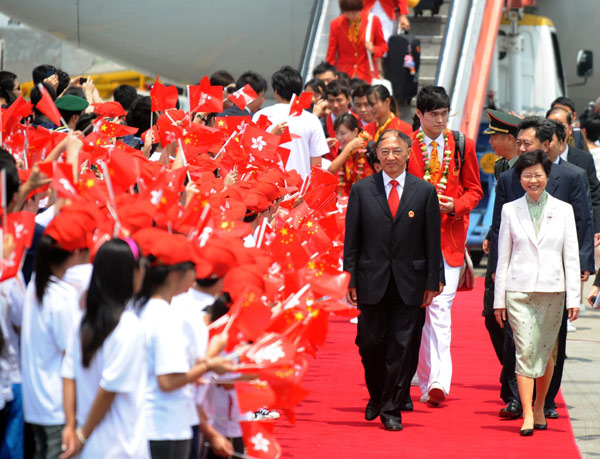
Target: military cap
(502, 123)
(71, 103)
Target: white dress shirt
(440, 143)
(565, 154)
(388, 185)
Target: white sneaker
(570, 326)
(265, 413)
(424, 398)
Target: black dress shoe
(392, 425)
(526, 432)
(512, 410)
(540, 426)
(407, 406)
(551, 413)
(372, 411)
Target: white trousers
(435, 361)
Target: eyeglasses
(18, 88)
(529, 177)
(229, 89)
(397, 152)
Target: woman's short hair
(531, 158)
(351, 5)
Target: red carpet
(330, 423)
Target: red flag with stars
(251, 314)
(259, 440)
(243, 96)
(110, 129)
(47, 107)
(122, 170)
(232, 123)
(299, 103)
(206, 98)
(163, 97)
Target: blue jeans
(12, 443)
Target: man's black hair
(323, 67)
(256, 82)
(41, 72)
(531, 158)
(63, 81)
(7, 163)
(221, 78)
(7, 80)
(361, 91)
(559, 110)
(139, 114)
(543, 128)
(591, 124)
(125, 94)
(337, 87)
(74, 91)
(343, 77)
(317, 85)
(559, 130)
(562, 100)
(84, 122)
(287, 81)
(432, 98)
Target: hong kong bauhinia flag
(243, 96)
(259, 440)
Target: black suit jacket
(563, 184)
(585, 160)
(234, 110)
(407, 246)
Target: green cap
(502, 123)
(71, 103)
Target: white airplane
(182, 40)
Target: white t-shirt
(44, 335)
(118, 366)
(166, 353)
(189, 307)
(79, 276)
(13, 291)
(311, 143)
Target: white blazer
(546, 263)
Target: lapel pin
(411, 214)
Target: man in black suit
(582, 159)
(392, 251)
(566, 185)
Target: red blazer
(396, 123)
(352, 58)
(388, 6)
(464, 187)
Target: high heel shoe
(540, 426)
(526, 432)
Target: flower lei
(445, 163)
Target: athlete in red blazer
(388, 6)
(351, 56)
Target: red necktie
(393, 198)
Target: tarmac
(581, 376)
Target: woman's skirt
(535, 319)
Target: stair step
(429, 59)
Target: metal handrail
(314, 26)
(454, 35)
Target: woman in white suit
(538, 262)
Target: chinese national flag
(243, 96)
(47, 107)
(251, 314)
(91, 188)
(122, 170)
(111, 129)
(206, 98)
(13, 115)
(259, 439)
(252, 395)
(322, 188)
(163, 97)
(62, 180)
(325, 280)
(203, 137)
(298, 104)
